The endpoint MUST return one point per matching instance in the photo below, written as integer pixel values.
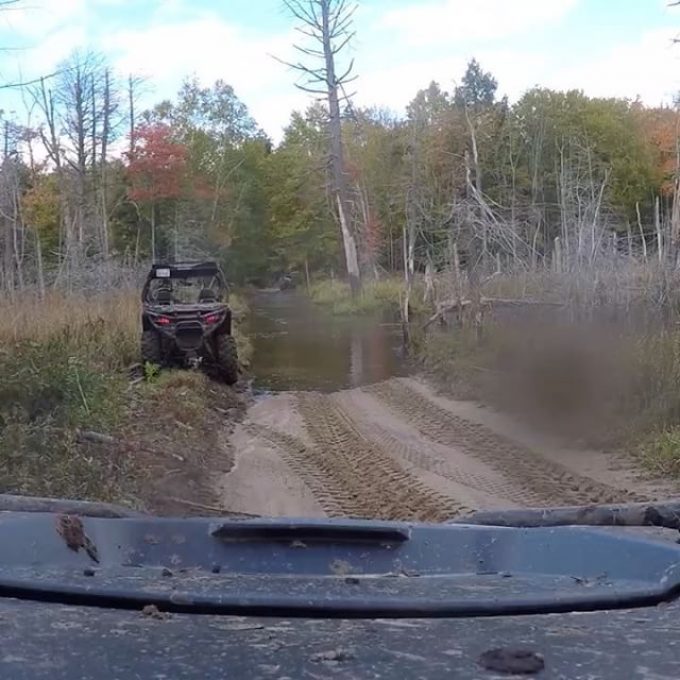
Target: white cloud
(397, 53)
(648, 68)
(47, 33)
(52, 50)
(445, 21)
(395, 86)
(213, 49)
(40, 18)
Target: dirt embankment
(172, 443)
(398, 451)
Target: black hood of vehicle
(330, 568)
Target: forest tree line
(91, 183)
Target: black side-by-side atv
(186, 320)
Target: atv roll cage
(175, 283)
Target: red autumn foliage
(203, 190)
(157, 165)
(661, 127)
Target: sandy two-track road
(398, 451)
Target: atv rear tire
(227, 358)
(152, 352)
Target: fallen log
(83, 436)
(12, 503)
(651, 514)
(96, 437)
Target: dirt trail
(398, 451)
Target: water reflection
(298, 346)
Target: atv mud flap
(189, 337)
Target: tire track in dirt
(358, 475)
(306, 463)
(539, 481)
(429, 462)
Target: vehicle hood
(334, 568)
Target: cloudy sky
(606, 48)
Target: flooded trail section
(348, 434)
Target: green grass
(63, 368)
(652, 401)
(384, 295)
(175, 396)
(660, 452)
(52, 384)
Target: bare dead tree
(43, 98)
(581, 192)
(10, 209)
(328, 25)
(108, 110)
(134, 84)
(108, 115)
(80, 121)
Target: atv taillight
(163, 320)
(211, 318)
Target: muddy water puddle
(298, 346)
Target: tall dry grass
(105, 329)
(62, 363)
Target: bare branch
(343, 79)
(314, 75)
(341, 28)
(298, 10)
(347, 98)
(26, 83)
(309, 51)
(310, 34)
(343, 17)
(318, 74)
(313, 6)
(337, 49)
(310, 90)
